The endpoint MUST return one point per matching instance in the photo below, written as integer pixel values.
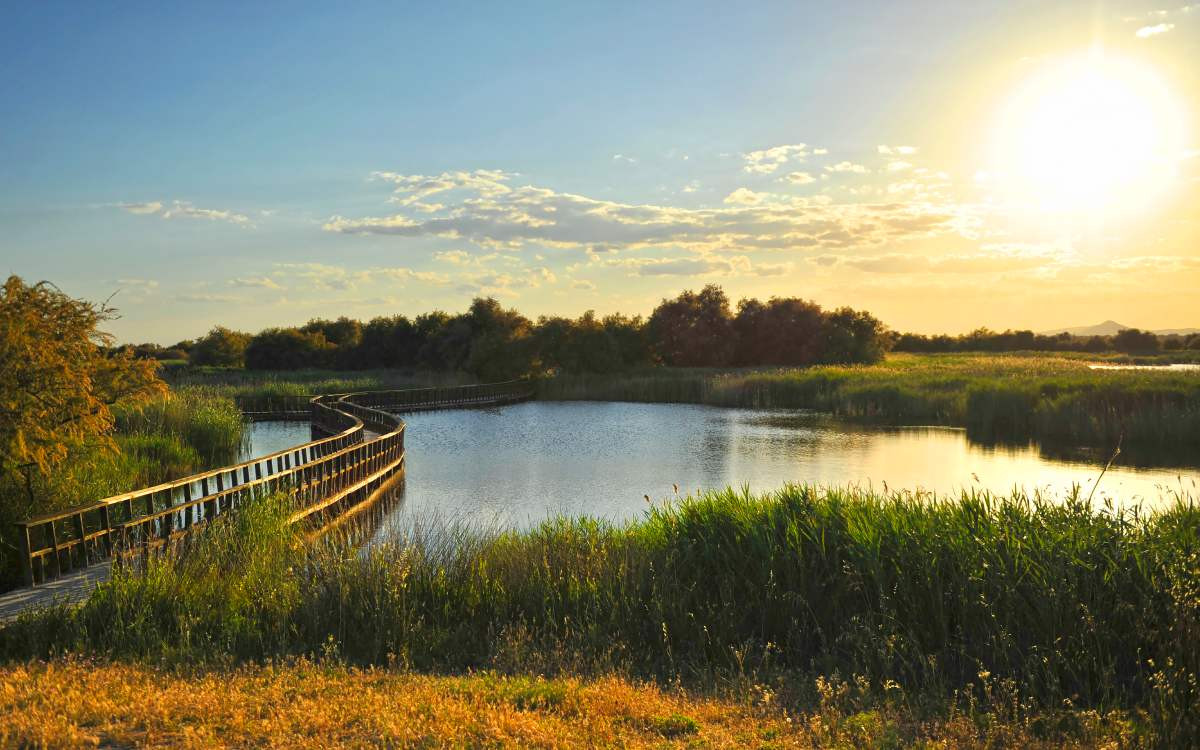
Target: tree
(221, 347)
(783, 331)
(1134, 340)
(694, 330)
(388, 342)
(853, 336)
(58, 376)
(501, 347)
(342, 333)
(287, 349)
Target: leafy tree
(343, 333)
(288, 349)
(58, 376)
(783, 331)
(694, 329)
(501, 347)
(583, 345)
(221, 347)
(1134, 340)
(388, 342)
(629, 337)
(853, 336)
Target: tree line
(694, 329)
(1130, 340)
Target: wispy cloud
(184, 210)
(846, 166)
(497, 216)
(768, 160)
(149, 207)
(1146, 32)
(798, 178)
(255, 282)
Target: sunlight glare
(1092, 135)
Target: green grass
(264, 390)
(1054, 600)
(997, 397)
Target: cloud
(893, 150)
(500, 217)
(624, 158)
(141, 284)
(846, 166)
(899, 166)
(768, 160)
(798, 178)
(820, 151)
(454, 257)
(1146, 32)
(691, 187)
(185, 210)
(325, 277)
(255, 282)
(744, 197)
(412, 189)
(206, 298)
(700, 265)
(583, 285)
(683, 267)
(960, 264)
(142, 209)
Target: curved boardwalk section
(360, 451)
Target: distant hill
(1110, 327)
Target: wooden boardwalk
(66, 554)
(72, 588)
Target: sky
(943, 165)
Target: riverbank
(997, 397)
(72, 703)
(1053, 601)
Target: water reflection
(517, 464)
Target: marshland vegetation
(1051, 603)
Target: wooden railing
(329, 473)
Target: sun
(1088, 135)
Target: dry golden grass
(76, 703)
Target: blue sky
(253, 166)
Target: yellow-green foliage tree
(58, 379)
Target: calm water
(518, 464)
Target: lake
(517, 464)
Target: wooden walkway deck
(67, 554)
(72, 588)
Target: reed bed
(997, 397)
(266, 391)
(1051, 599)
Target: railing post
(26, 554)
(81, 531)
(54, 547)
(106, 522)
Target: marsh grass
(265, 390)
(1053, 600)
(997, 397)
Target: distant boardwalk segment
(357, 450)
